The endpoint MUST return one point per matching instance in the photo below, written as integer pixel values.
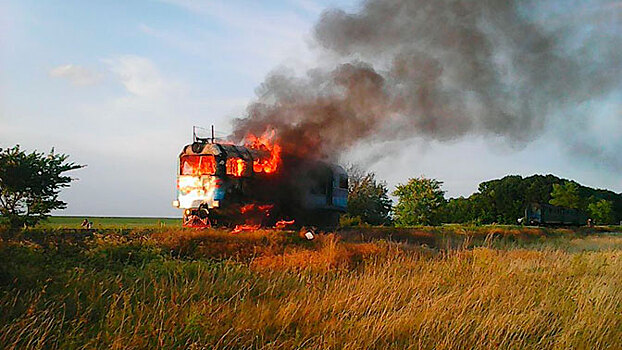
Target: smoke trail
(439, 70)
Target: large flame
(265, 142)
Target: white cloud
(139, 75)
(76, 74)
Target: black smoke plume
(441, 70)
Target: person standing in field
(85, 223)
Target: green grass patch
(74, 222)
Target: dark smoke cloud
(438, 70)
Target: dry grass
(330, 254)
(274, 290)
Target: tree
(504, 200)
(419, 202)
(459, 210)
(601, 211)
(30, 184)
(566, 195)
(367, 198)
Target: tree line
(422, 201)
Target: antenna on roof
(201, 135)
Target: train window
(236, 167)
(197, 165)
(343, 181)
(318, 186)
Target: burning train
(222, 184)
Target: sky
(118, 86)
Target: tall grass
(201, 289)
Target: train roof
(218, 149)
(246, 153)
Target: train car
(541, 214)
(221, 184)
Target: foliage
(458, 210)
(419, 202)
(352, 221)
(499, 201)
(504, 200)
(601, 211)
(368, 198)
(566, 195)
(30, 184)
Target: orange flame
(256, 208)
(265, 142)
(266, 207)
(236, 167)
(240, 228)
(197, 165)
(284, 223)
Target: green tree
(504, 200)
(458, 210)
(30, 184)
(566, 195)
(601, 211)
(368, 198)
(419, 202)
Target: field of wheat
(176, 288)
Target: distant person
(89, 225)
(85, 223)
(590, 223)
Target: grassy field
(455, 288)
(56, 222)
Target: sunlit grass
(273, 289)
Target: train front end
(200, 187)
(214, 181)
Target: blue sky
(118, 85)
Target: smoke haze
(441, 70)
